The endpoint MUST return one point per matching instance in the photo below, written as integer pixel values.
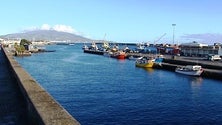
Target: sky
(118, 20)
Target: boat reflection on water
(193, 80)
(196, 82)
(121, 60)
(150, 70)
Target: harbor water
(99, 90)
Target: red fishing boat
(119, 55)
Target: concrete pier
(13, 109)
(41, 108)
(208, 73)
(211, 69)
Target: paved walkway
(12, 106)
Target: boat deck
(12, 103)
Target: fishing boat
(145, 62)
(71, 44)
(119, 55)
(85, 47)
(192, 70)
(105, 45)
(140, 47)
(107, 53)
(122, 55)
(135, 57)
(93, 46)
(159, 60)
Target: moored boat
(159, 60)
(145, 62)
(93, 46)
(135, 57)
(107, 53)
(119, 55)
(122, 55)
(105, 45)
(192, 70)
(85, 47)
(71, 44)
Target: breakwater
(42, 108)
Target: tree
(20, 49)
(25, 42)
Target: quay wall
(210, 71)
(42, 108)
(207, 65)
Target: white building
(201, 50)
(10, 42)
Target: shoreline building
(200, 50)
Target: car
(214, 57)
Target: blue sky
(120, 20)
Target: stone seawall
(42, 108)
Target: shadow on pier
(12, 104)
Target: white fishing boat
(93, 46)
(85, 47)
(105, 45)
(135, 57)
(192, 70)
(107, 53)
(71, 44)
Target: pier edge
(42, 108)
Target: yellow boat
(145, 63)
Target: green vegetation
(20, 48)
(25, 42)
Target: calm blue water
(98, 90)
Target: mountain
(49, 35)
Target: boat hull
(149, 64)
(118, 55)
(192, 70)
(121, 57)
(191, 73)
(134, 58)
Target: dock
(212, 69)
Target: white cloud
(64, 28)
(45, 27)
(58, 27)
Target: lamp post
(173, 31)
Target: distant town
(193, 49)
